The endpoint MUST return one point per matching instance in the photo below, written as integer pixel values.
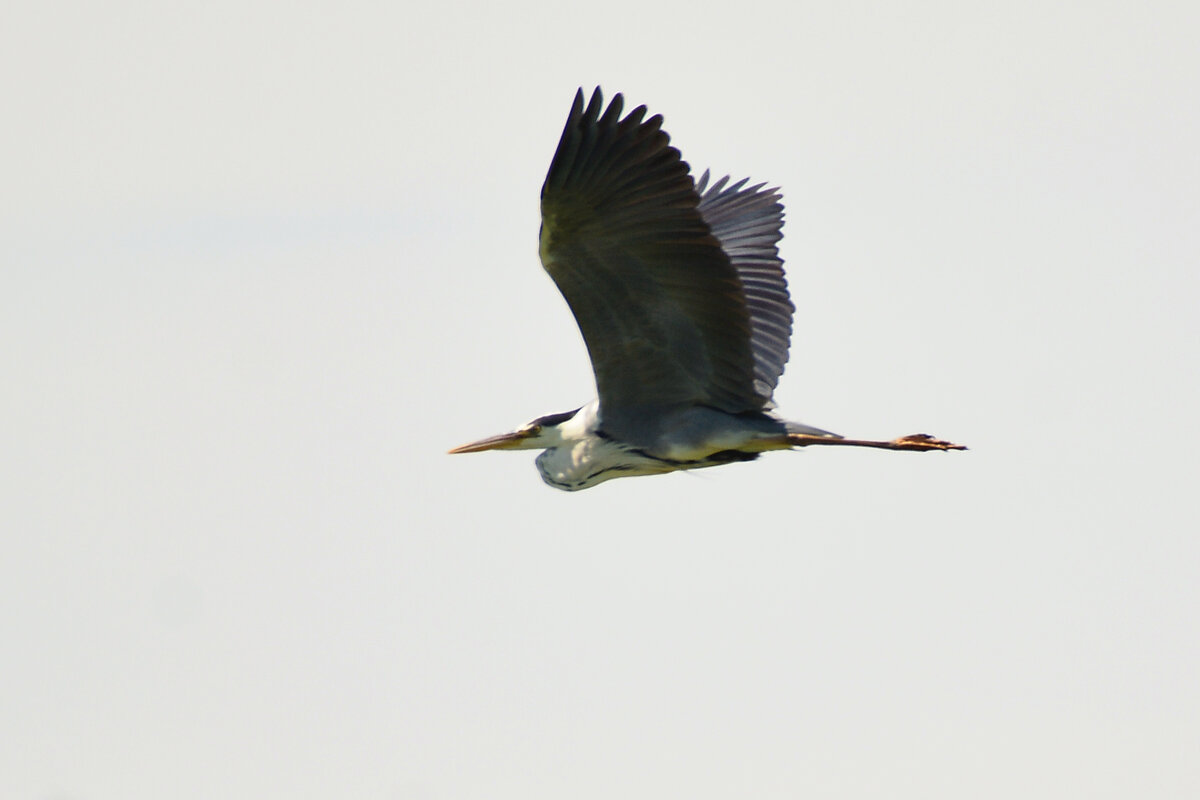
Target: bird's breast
(587, 462)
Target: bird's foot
(923, 441)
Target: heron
(680, 294)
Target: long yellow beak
(505, 441)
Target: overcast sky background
(262, 264)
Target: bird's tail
(809, 430)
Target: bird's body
(579, 452)
(680, 294)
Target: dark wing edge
(660, 306)
(749, 224)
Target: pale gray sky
(261, 264)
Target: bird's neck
(581, 425)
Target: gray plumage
(660, 306)
(749, 224)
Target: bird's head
(541, 433)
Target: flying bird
(679, 291)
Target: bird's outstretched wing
(660, 306)
(748, 222)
